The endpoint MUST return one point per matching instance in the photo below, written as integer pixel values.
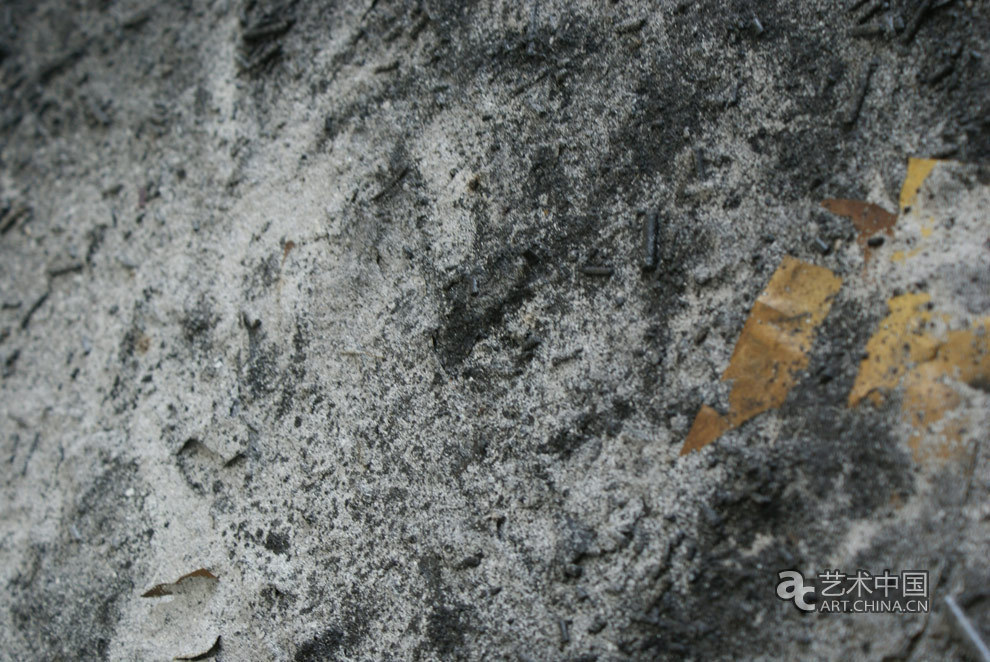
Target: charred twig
(419, 26)
(385, 68)
(68, 269)
(137, 20)
(699, 164)
(916, 20)
(634, 25)
(531, 31)
(26, 320)
(558, 360)
(941, 72)
(266, 30)
(871, 30)
(856, 104)
(370, 8)
(944, 70)
(522, 87)
(650, 226)
(391, 185)
(10, 219)
(565, 636)
(870, 11)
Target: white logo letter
(791, 587)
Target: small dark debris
(250, 324)
(596, 270)
(277, 542)
(875, 242)
(529, 346)
(472, 561)
(573, 571)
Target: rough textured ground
(293, 292)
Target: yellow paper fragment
(772, 348)
(917, 173)
(708, 426)
(930, 393)
(899, 342)
(902, 353)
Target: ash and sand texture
(343, 304)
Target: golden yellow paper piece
(899, 342)
(917, 173)
(772, 348)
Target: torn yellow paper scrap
(772, 348)
(899, 342)
(930, 391)
(917, 173)
(902, 352)
(708, 426)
